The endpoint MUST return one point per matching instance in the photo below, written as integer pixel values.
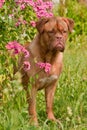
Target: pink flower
(30, 2)
(45, 66)
(1, 3)
(41, 65)
(26, 52)
(24, 22)
(33, 23)
(23, 6)
(11, 15)
(26, 65)
(17, 24)
(17, 48)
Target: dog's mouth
(57, 45)
(60, 46)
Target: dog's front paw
(33, 121)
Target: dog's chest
(41, 78)
(46, 81)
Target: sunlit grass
(70, 101)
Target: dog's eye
(64, 31)
(50, 32)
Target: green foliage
(77, 12)
(70, 102)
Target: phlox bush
(17, 26)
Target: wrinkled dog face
(54, 31)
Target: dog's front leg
(49, 96)
(31, 97)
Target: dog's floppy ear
(40, 24)
(70, 23)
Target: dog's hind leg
(31, 99)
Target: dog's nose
(59, 37)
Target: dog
(47, 47)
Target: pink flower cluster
(1, 3)
(42, 9)
(45, 66)
(33, 23)
(17, 48)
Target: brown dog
(48, 47)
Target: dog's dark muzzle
(60, 46)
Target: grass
(70, 102)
